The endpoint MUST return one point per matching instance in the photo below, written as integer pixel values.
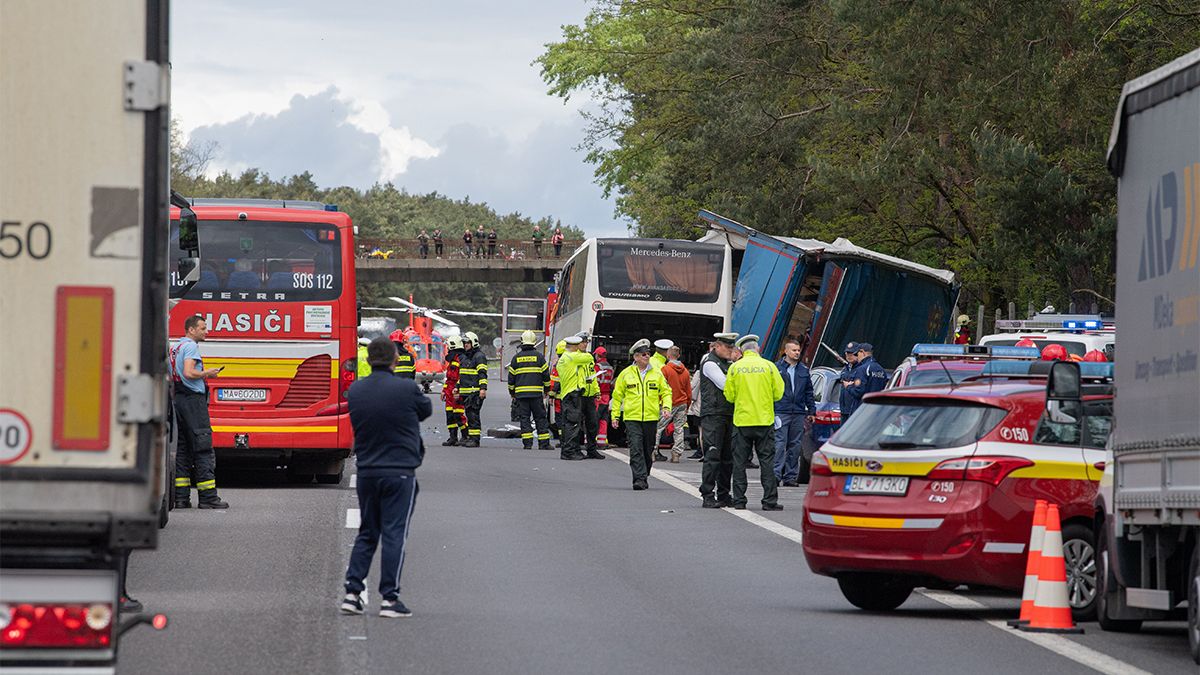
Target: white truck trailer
(1149, 564)
(83, 320)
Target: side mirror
(1064, 382)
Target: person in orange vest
(605, 380)
(680, 381)
(455, 410)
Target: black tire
(1106, 582)
(1079, 554)
(1193, 619)
(875, 592)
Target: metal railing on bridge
(452, 250)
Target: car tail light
(984, 469)
(339, 408)
(819, 465)
(55, 626)
(828, 417)
(961, 545)
(349, 370)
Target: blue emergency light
(1008, 352)
(938, 349)
(1087, 369)
(1090, 324)
(331, 207)
(929, 350)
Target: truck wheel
(1193, 624)
(874, 592)
(1106, 583)
(1079, 554)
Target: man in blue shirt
(868, 376)
(194, 456)
(793, 413)
(385, 411)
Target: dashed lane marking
(353, 519)
(353, 480)
(1062, 646)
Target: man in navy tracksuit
(792, 413)
(385, 411)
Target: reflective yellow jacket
(641, 399)
(364, 368)
(752, 385)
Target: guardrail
(455, 249)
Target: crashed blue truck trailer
(833, 293)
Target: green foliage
(967, 134)
(382, 211)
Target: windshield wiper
(903, 445)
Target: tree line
(965, 134)
(380, 211)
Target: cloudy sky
(429, 95)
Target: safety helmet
(963, 319)
(528, 338)
(454, 342)
(1054, 352)
(601, 353)
(398, 336)
(560, 347)
(1025, 342)
(1095, 355)
(469, 335)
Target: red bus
(277, 290)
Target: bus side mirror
(189, 247)
(1064, 392)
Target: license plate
(242, 395)
(876, 485)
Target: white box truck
(1149, 562)
(83, 320)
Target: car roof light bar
(926, 350)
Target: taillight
(819, 465)
(339, 408)
(55, 626)
(828, 417)
(991, 470)
(349, 369)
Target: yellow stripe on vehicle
(1057, 470)
(282, 430)
(282, 369)
(890, 467)
(873, 523)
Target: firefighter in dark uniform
(195, 459)
(528, 383)
(716, 423)
(405, 366)
(472, 386)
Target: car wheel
(875, 592)
(1079, 554)
(1193, 623)
(1106, 582)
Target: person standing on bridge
(491, 240)
(641, 397)
(468, 249)
(557, 240)
(438, 242)
(528, 382)
(423, 244)
(472, 386)
(480, 236)
(753, 386)
(538, 236)
(195, 459)
(386, 414)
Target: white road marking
(353, 480)
(353, 519)
(1058, 644)
(1078, 653)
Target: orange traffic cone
(1051, 609)
(1032, 563)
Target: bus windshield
(258, 261)
(659, 270)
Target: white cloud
(397, 144)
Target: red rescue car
(935, 486)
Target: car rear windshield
(924, 377)
(917, 425)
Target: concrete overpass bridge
(512, 261)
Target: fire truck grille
(311, 383)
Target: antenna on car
(953, 384)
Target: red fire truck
(279, 298)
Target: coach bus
(620, 290)
(278, 296)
